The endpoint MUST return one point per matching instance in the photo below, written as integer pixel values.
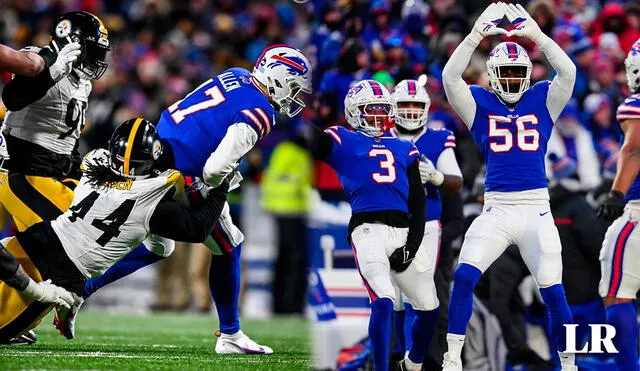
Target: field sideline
(157, 341)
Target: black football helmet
(88, 30)
(135, 147)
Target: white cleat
(451, 364)
(239, 343)
(65, 320)
(570, 368)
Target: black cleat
(27, 338)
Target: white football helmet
(632, 67)
(286, 73)
(4, 157)
(369, 108)
(509, 69)
(409, 91)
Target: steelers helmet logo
(156, 150)
(63, 29)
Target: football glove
(402, 257)
(525, 26)
(612, 207)
(487, 22)
(64, 62)
(429, 173)
(48, 293)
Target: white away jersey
(105, 223)
(55, 120)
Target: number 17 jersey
(373, 171)
(513, 141)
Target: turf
(157, 342)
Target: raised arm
(457, 90)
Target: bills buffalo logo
(635, 49)
(354, 90)
(295, 65)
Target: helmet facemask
(411, 115)
(632, 72)
(92, 63)
(510, 81)
(289, 98)
(376, 118)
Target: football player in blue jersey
(381, 178)
(205, 135)
(620, 279)
(511, 124)
(438, 169)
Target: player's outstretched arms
(562, 85)
(239, 140)
(20, 62)
(172, 219)
(458, 93)
(23, 90)
(628, 168)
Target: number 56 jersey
(373, 171)
(195, 125)
(513, 141)
(105, 223)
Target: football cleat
(27, 338)
(65, 321)
(451, 364)
(239, 343)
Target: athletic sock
(461, 304)
(558, 312)
(422, 332)
(138, 258)
(623, 318)
(380, 332)
(224, 283)
(399, 329)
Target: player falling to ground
(124, 197)
(511, 123)
(438, 170)
(381, 178)
(205, 135)
(45, 117)
(620, 282)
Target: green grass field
(157, 342)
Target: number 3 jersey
(513, 141)
(195, 125)
(54, 121)
(373, 171)
(105, 223)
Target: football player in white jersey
(45, 116)
(511, 124)
(122, 199)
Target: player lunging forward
(620, 280)
(205, 135)
(438, 170)
(511, 123)
(381, 178)
(123, 198)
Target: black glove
(402, 258)
(612, 207)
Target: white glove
(429, 173)
(235, 179)
(525, 25)
(64, 63)
(487, 23)
(48, 293)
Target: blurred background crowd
(163, 49)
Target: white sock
(234, 336)
(567, 359)
(412, 366)
(455, 343)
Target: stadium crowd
(162, 49)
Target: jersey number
(215, 98)
(527, 140)
(386, 164)
(75, 117)
(116, 219)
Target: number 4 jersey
(513, 141)
(105, 223)
(372, 170)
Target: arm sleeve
(9, 266)
(173, 220)
(447, 163)
(239, 140)
(588, 162)
(561, 87)
(322, 147)
(417, 212)
(458, 92)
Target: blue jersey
(513, 141)
(630, 109)
(195, 125)
(372, 171)
(431, 143)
